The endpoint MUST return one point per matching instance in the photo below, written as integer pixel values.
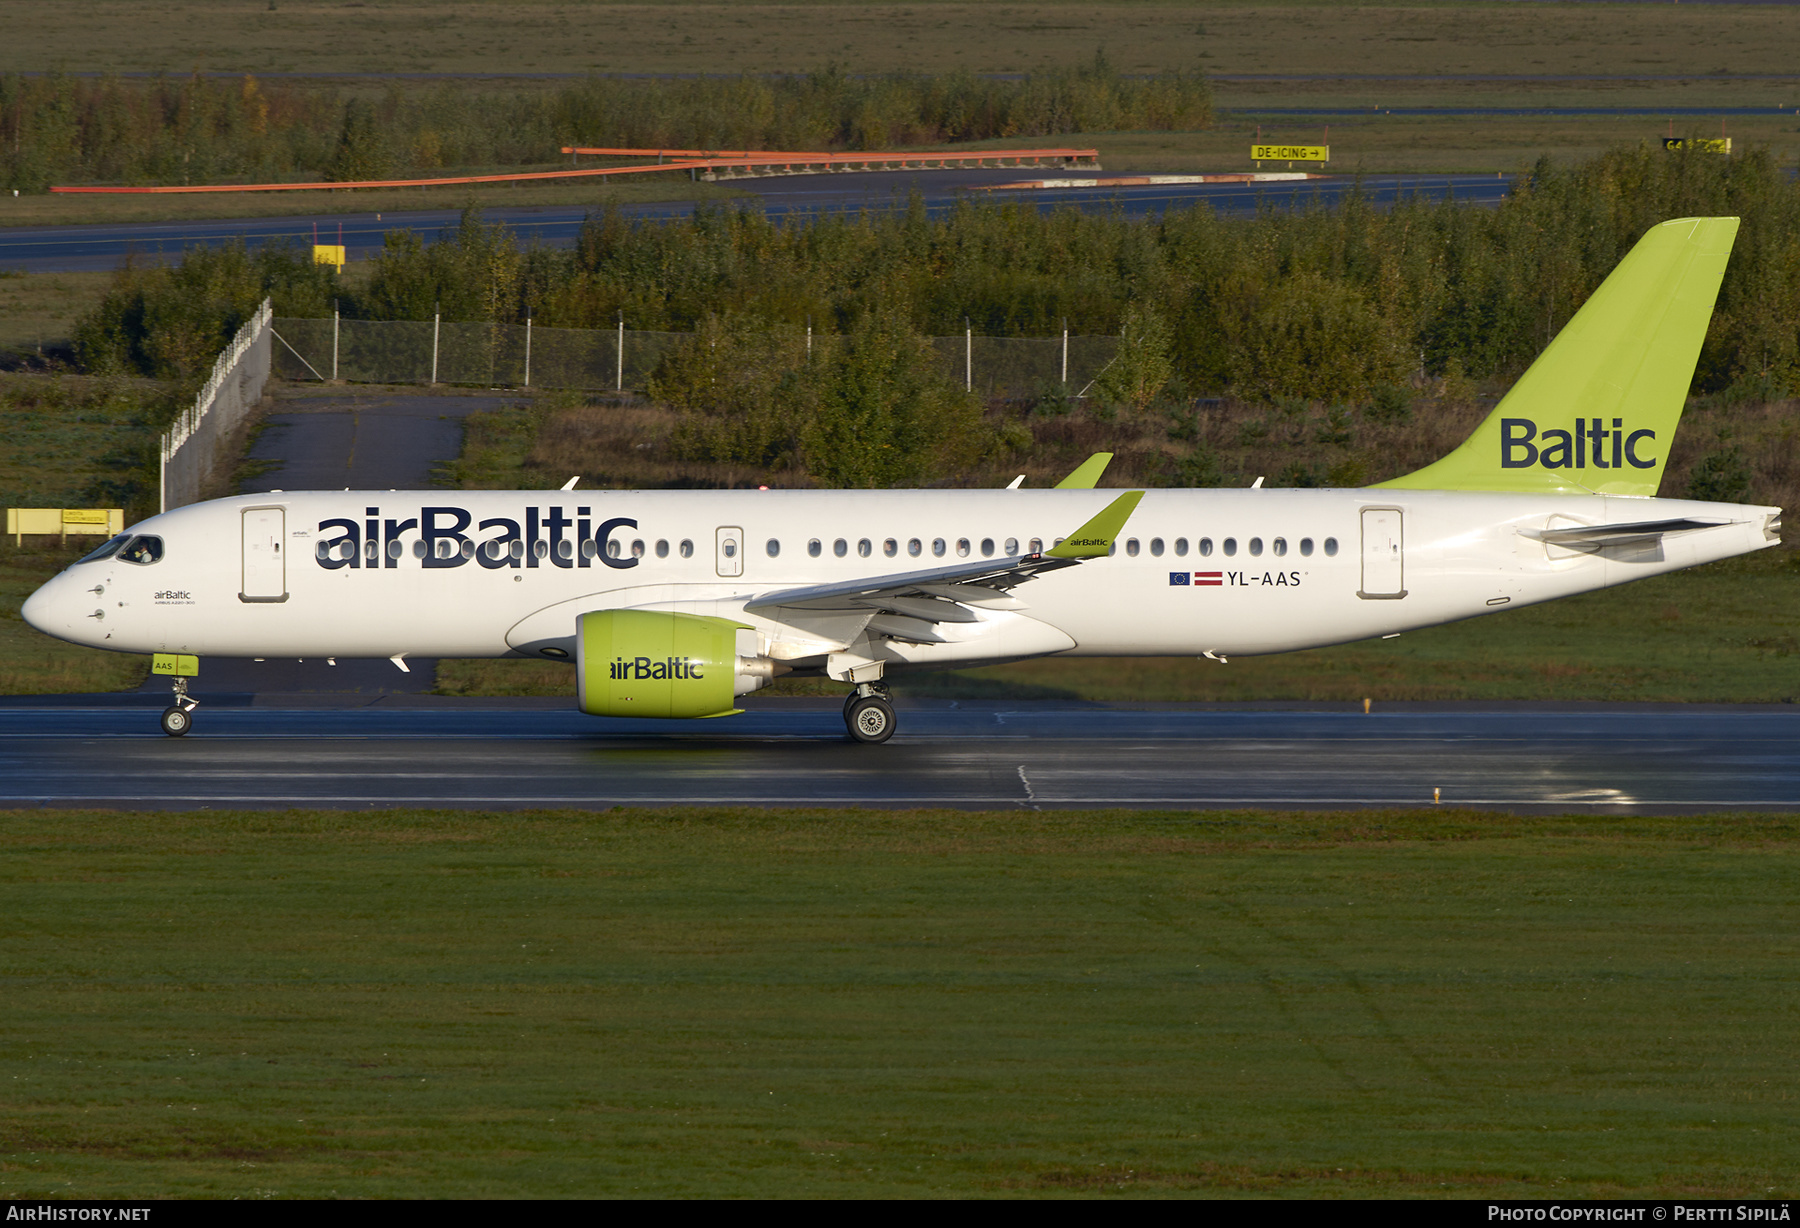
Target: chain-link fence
(190, 446)
(527, 356)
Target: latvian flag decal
(1202, 579)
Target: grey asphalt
(43, 249)
(354, 441)
(435, 752)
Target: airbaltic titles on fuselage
(539, 536)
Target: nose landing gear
(179, 717)
(869, 713)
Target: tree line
(60, 129)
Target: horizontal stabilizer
(1638, 532)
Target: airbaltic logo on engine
(643, 667)
(1589, 444)
(440, 537)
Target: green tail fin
(1597, 411)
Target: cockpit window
(105, 551)
(143, 550)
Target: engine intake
(664, 664)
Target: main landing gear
(869, 713)
(179, 718)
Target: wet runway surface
(43, 249)
(421, 751)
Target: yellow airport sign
(1705, 144)
(175, 665)
(1290, 153)
(62, 521)
(329, 253)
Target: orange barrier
(401, 183)
(710, 163)
(823, 155)
(752, 160)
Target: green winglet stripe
(1087, 475)
(1096, 537)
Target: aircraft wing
(910, 605)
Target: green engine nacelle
(655, 663)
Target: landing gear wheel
(869, 718)
(176, 721)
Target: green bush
(868, 409)
(171, 321)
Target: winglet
(1095, 538)
(1087, 474)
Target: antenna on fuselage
(570, 484)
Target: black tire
(869, 719)
(176, 721)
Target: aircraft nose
(44, 609)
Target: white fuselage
(1229, 572)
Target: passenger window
(1012, 546)
(1279, 546)
(1156, 547)
(937, 547)
(105, 550)
(813, 548)
(1255, 546)
(468, 549)
(1306, 546)
(419, 549)
(1037, 546)
(1230, 546)
(613, 549)
(730, 548)
(686, 548)
(371, 551)
(1180, 547)
(1203, 546)
(914, 548)
(396, 549)
(840, 547)
(774, 548)
(1131, 547)
(987, 547)
(1330, 546)
(662, 549)
(565, 549)
(587, 549)
(864, 549)
(637, 550)
(517, 549)
(962, 547)
(890, 547)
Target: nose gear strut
(179, 718)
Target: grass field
(1426, 1004)
(505, 37)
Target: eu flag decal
(1178, 578)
